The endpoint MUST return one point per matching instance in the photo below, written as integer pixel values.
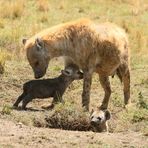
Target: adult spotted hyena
(101, 48)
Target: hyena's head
(98, 119)
(37, 55)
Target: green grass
(6, 110)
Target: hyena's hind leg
(20, 98)
(123, 73)
(105, 83)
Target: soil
(18, 135)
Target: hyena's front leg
(104, 80)
(87, 77)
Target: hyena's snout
(95, 121)
(39, 73)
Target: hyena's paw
(129, 106)
(14, 106)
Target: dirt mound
(68, 117)
(65, 116)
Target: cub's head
(98, 119)
(37, 55)
(72, 73)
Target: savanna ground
(24, 18)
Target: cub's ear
(39, 43)
(66, 72)
(107, 115)
(24, 40)
(91, 111)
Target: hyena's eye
(36, 64)
(92, 117)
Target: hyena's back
(104, 46)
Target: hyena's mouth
(93, 123)
(38, 75)
(97, 129)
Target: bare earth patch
(18, 128)
(19, 135)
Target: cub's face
(37, 56)
(99, 117)
(73, 73)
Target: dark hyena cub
(48, 87)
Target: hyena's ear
(107, 115)
(24, 40)
(39, 43)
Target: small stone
(19, 124)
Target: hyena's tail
(118, 73)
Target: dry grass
(44, 18)
(2, 23)
(33, 16)
(43, 5)
(4, 55)
(12, 9)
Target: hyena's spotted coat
(101, 48)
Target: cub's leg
(20, 98)
(26, 100)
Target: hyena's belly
(107, 67)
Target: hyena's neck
(67, 41)
(62, 47)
